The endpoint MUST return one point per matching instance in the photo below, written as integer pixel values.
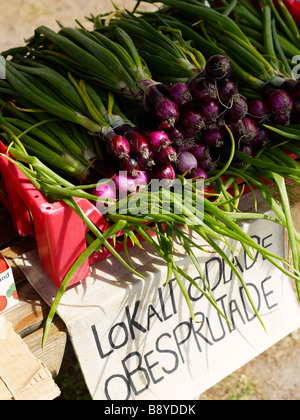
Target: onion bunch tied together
(206, 101)
(114, 65)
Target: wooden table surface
(29, 317)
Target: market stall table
(29, 317)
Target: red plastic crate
(58, 230)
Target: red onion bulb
(280, 102)
(218, 67)
(106, 191)
(157, 140)
(187, 163)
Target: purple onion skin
(247, 149)
(130, 165)
(226, 91)
(165, 110)
(138, 144)
(207, 164)
(124, 184)
(142, 180)
(187, 163)
(213, 138)
(176, 135)
(181, 94)
(157, 140)
(200, 151)
(105, 191)
(192, 119)
(250, 129)
(185, 148)
(166, 155)
(210, 111)
(282, 119)
(237, 128)
(123, 129)
(117, 146)
(128, 185)
(280, 102)
(262, 139)
(258, 110)
(163, 88)
(167, 113)
(218, 67)
(163, 172)
(238, 110)
(204, 89)
(146, 163)
(189, 135)
(199, 174)
(152, 94)
(244, 130)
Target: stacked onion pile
(192, 144)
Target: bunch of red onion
(187, 137)
(277, 106)
(176, 147)
(205, 104)
(139, 155)
(190, 122)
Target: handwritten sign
(154, 348)
(136, 340)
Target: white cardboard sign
(135, 339)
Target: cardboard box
(23, 377)
(8, 292)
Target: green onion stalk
(165, 43)
(168, 61)
(52, 143)
(55, 95)
(256, 67)
(116, 66)
(272, 167)
(264, 24)
(214, 36)
(274, 91)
